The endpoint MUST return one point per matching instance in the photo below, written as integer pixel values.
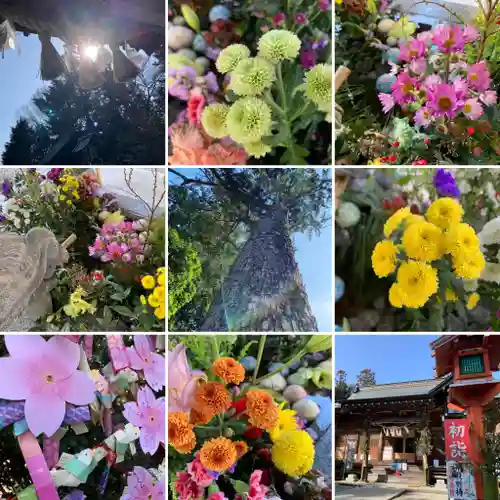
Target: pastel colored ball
(339, 288)
(306, 409)
(294, 393)
(199, 43)
(384, 83)
(249, 363)
(219, 12)
(392, 55)
(274, 366)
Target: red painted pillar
(475, 420)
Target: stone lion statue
(28, 264)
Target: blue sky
(393, 358)
(20, 79)
(314, 257)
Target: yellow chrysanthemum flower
(472, 301)
(154, 301)
(160, 311)
(397, 296)
(414, 219)
(445, 213)
(418, 281)
(450, 295)
(161, 279)
(293, 453)
(286, 422)
(461, 239)
(148, 282)
(384, 258)
(213, 120)
(469, 267)
(395, 220)
(423, 241)
(77, 306)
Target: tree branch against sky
(235, 209)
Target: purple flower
(279, 18)
(6, 188)
(308, 59)
(212, 53)
(323, 5)
(141, 486)
(152, 364)
(184, 79)
(446, 184)
(211, 82)
(301, 18)
(55, 173)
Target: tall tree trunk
(264, 290)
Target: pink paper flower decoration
(449, 38)
(150, 362)
(423, 117)
(414, 49)
(387, 102)
(198, 473)
(141, 487)
(182, 382)
(257, 491)
(443, 100)
(404, 88)
(471, 34)
(149, 415)
(45, 375)
(489, 97)
(187, 488)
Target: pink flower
(279, 18)
(182, 382)
(45, 375)
(387, 102)
(414, 49)
(442, 100)
(449, 38)
(473, 109)
(432, 80)
(198, 473)
(217, 496)
(426, 37)
(196, 104)
(423, 117)
(418, 66)
(145, 359)
(461, 88)
(115, 251)
(478, 76)
(127, 257)
(489, 97)
(141, 487)
(187, 488)
(477, 151)
(148, 413)
(256, 491)
(323, 5)
(404, 88)
(471, 34)
(300, 18)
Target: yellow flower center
(49, 379)
(445, 103)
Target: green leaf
(371, 6)
(213, 488)
(245, 349)
(123, 311)
(240, 486)
(318, 343)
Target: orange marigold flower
(229, 370)
(180, 432)
(218, 454)
(261, 409)
(241, 448)
(213, 396)
(200, 416)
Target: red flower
(392, 158)
(253, 433)
(420, 162)
(240, 406)
(196, 104)
(387, 204)
(414, 209)
(264, 453)
(427, 140)
(395, 144)
(470, 130)
(398, 202)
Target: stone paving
(385, 492)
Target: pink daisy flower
(414, 49)
(425, 37)
(461, 87)
(418, 66)
(449, 38)
(387, 102)
(403, 88)
(423, 117)
(489, 97)
(140, 486)
(442, 100)
(473, 109)
(432, 80)
(470, 33)
(478, 76)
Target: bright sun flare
(91, 51)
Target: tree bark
(264, 290)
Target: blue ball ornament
(275, 366)
(338, 328)
(392, 55)
(219, 12)
(199, 43)
(384, 83)
(249, 363)
(339, 288)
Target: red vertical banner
(460, 472)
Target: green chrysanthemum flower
(231, 56)
(278, 45)
(257, 149)
(248, 120)
(213, 120)
(318, 86)
(252, 76)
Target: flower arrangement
(235, 431)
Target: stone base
(352, 478)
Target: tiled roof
(399, 390)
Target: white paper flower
(348, 214)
